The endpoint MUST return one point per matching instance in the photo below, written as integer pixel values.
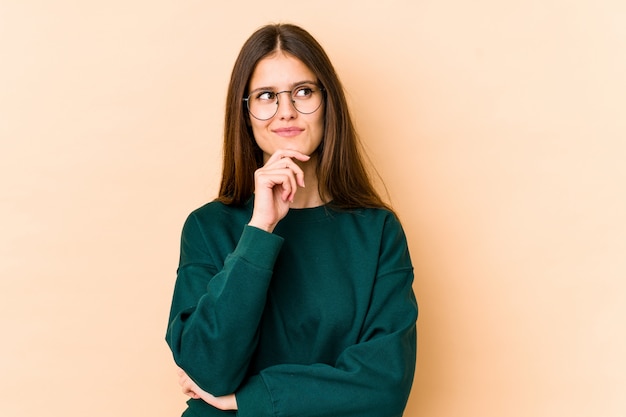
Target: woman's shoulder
(371, 214)
(218, 212)
(371, 222)
(217, 207)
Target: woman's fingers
(284, 172)
(287, 153)
(191, 389)
(297, 171)
(285, 158)
(188, 387)
(287, 163)
(270, 178)
(276, 184)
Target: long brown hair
(342, 176)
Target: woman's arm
(219, 310)
(214, 319)
(371, 378)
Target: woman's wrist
(269, 228)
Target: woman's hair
(342, 176)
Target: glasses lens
(263, 105)
(307, 98)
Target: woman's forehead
(280, 70)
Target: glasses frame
(293, 102)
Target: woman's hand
(275, 185)
(190, 388)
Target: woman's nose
(286, 109)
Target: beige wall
(498, 126)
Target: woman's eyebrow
(291, 87)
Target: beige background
(498, 126)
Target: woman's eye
(303, 92)
(266, 95)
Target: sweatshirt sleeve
(371, 378)
(216, 310)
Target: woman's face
(288, 128)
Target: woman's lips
(288, 131)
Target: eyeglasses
(263, 104)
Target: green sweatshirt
(316, 319)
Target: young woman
(294, 290)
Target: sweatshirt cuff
(258, 247)
(254, 400)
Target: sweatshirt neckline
(306, 214)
